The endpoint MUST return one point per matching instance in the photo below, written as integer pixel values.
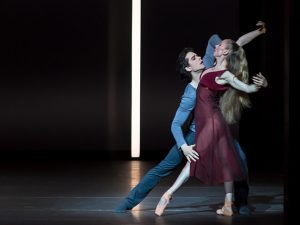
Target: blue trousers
(167, 165)
(241, 188)
(164, 168)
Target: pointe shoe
(162, 204)
(226, 209)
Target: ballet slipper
(162, 204)
(226, 210)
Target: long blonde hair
(233, 100)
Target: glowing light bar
(135, 77)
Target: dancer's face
(195, 62)
(221, 49)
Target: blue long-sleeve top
(188, 99)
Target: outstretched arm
(229, 78)
(215, 39)
(246, 38)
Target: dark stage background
(66, 75)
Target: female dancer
(220, 97)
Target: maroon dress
(219, 160)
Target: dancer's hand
(260, 80)
(189, 152)
(262, 27)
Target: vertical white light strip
(135, 85)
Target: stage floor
(85, 192)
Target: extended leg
(165, 199)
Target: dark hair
(182, 62)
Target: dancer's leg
(241, 188)
(181, 179)
(227, 208)
(165, 199)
